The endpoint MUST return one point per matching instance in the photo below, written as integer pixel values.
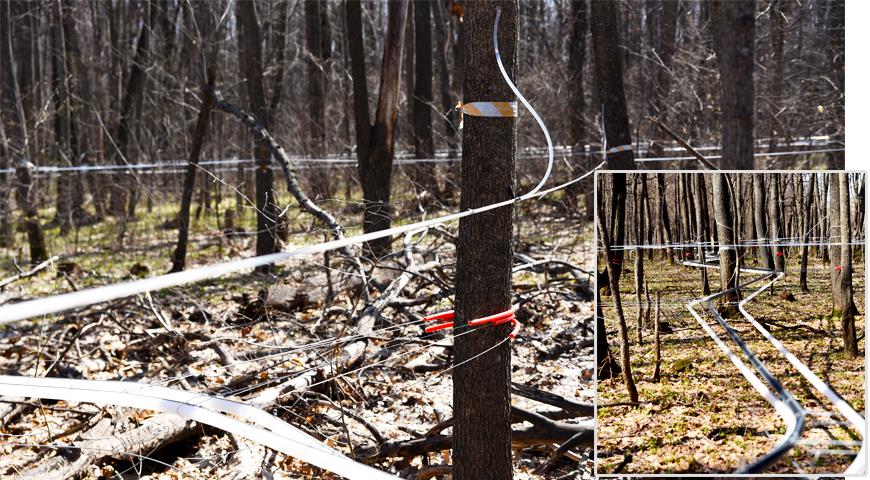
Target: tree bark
(481, 382)
(735, 22)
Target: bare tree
(376, 142)
(424, 143)
(252, 56)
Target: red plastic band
(615, 261)
(839, 267)
(440, 326)
(448, 315)
(497, 319)
(778, 254)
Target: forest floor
(222, 337)
(703, 416)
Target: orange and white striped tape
(621, 148)
(490, 109)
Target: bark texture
(482, 383)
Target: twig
(33, 271)
(683, 143)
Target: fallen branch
(532, 393)
(33, 271)
(683, 143)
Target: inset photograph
(730, 323)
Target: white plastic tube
(525, 103)
(271, 431)
(852, 416)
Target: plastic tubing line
(789, 410)
(91, 296)
(796, 421)
(853, 417)
(301, 447)
(525, 104)
(781, 408)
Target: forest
(769, 268)
(323, 239)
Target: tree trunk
(577, 95)
(375, 148)
(808, 227)
(316, 97)
(774, 208)
(847, 319)
(609, 83)
(725, 237)
(759, 203)
(700, 199)
(441, 41)
(735, 21)
(251, 46)
(664, 220)
(124, 196)
(639, 222)
(424, 143)
(482, 382)
(613, 260)
(27, 200)
(199, 136)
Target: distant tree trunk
(847, 306)
(639, 222)
(316, 98)
(759, 203)
(663, 214)
(577, 95)
(773, 209)
(424, 143)
(735, 21)
(613, 260)
(824, 221)
(809, 195)
(375, 143)
(725, 236)
(124, 195)
(658, 348)
(700, 211)
(777, 69)
(199, 135)
(665, 46)
(483, 276)
(252, 72)
(441, 42)
(27, 200)
(609, 83)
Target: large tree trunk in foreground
(735, 22)
(250, 44)
(482, 441)
(375, 143)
